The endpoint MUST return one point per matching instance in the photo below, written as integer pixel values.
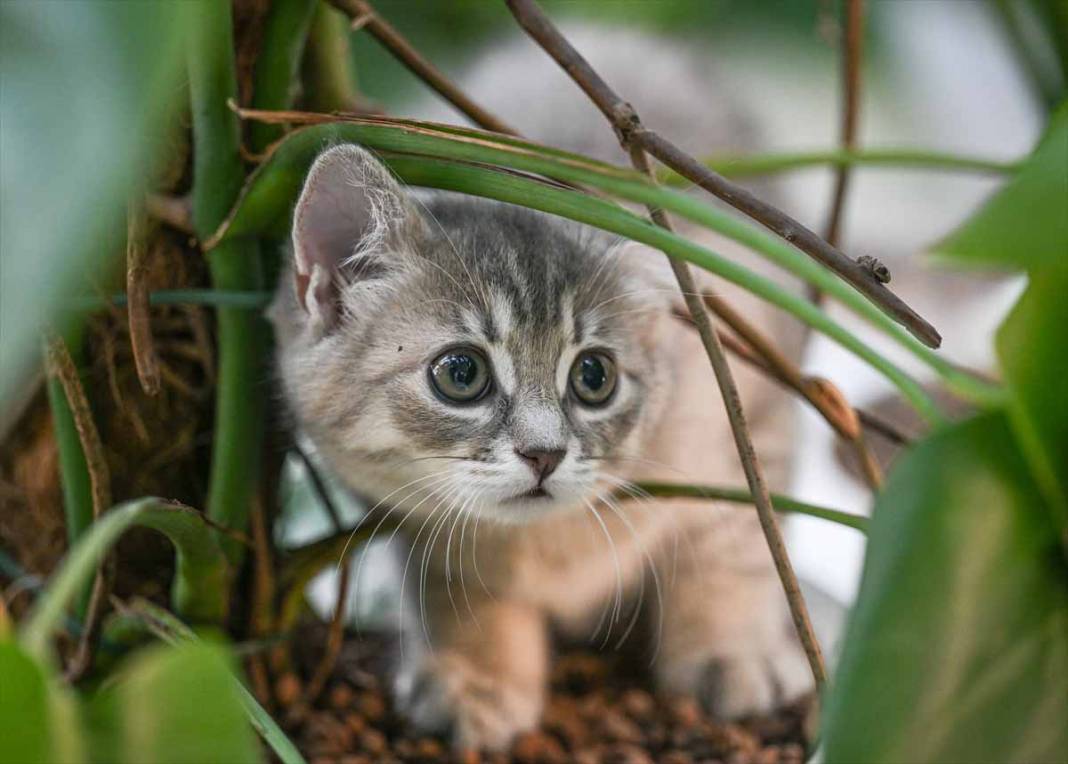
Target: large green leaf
(958, 648)
(83, 90)
(1025, 224)
(180, 704)
(1032, 345)
(37, 723)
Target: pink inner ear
(302, 280)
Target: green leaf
(38, 723)
(957, 650)
(1032, 344)
(201, 572)
(1025, 224)
(180, 704)
(85, 92)
(265, 203)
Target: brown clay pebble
(287, 690)
(675, 757)
(355, 722)
(341, 697)
(354, 758)
(618, 728)
(467, 756)
(373, 742)
(626, 754)
(427, 748)
(371, 706)
(538, 748)
(638, 704)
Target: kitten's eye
(460, 375)
(593, 378)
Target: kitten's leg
(483, 678)
(727, 636)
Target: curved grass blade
(201, 574)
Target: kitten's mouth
(537, 492)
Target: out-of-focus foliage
(82, 90)
(170, 704)
(1025, 225)
(958, 646)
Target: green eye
(460, 375)
(593, 378)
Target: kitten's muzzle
(543, 462)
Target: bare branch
(61, 366)
(630, 131)
(146, 360)
(627, 125)
(365, 16)
(851, 48)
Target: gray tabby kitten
(498, 376)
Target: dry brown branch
(852, 50)
(334, 639)
(61, 366)
(146, 360)
(365, 16)
(175, 211)
(821, 393)
(627, 126)
(631, 132)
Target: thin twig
(361, 12)
(852, 51)
(61, 366)
(146, 360)
(175, 211)
(627, 126)
(631, 132)
(821, 393)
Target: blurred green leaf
(180, 704)
(201, 573)
(37, 723)
(1025, 224)
(83, 93)
(958, 647)
(1031, 345)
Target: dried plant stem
(175, 211)
(627, 126)
(631, 132)
(146, 360)
(852, 50)
(61, 367)
(824, 396)
(363, 14)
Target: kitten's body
(384, 285)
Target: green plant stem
(217, 178)
(742, 496)
(201, 572)
(218, 298)
(285, 32)
(328, 71)
(271, 188)
(916, 159)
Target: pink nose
(542, 461)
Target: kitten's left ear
(350, 223)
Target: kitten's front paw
(471, 706)
(753, 681)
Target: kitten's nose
(542, 461)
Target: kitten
(498, 376)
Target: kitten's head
(449, 353)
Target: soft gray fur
(382, 282)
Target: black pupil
(463, 370)
(592, 373)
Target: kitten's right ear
(350, 222)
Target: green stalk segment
(217, 179)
